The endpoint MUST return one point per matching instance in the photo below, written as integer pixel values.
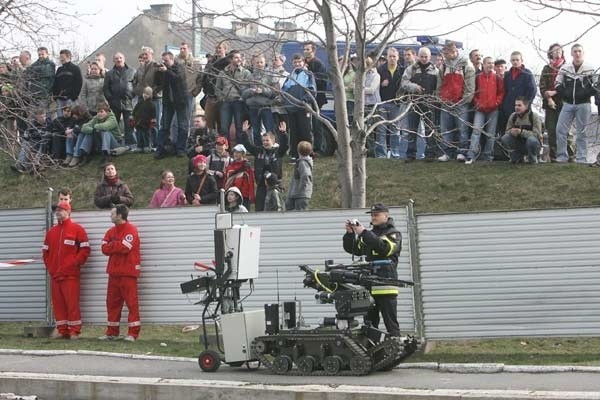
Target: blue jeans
(232, 110)
(158, 116)
(483, 124)
(258, 117)
(520, 146)
(84, 142)
(108, 141)
(142, 135)
(580, 113)
(386, 112)
(169, 112)
(454, 120)
(60, 103)
(70, 145)
(419, 113)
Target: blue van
(326, 145)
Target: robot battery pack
(195, 285)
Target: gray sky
(504, 31)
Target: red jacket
(241, 175)
(66, 248)
(121, 244)
(489, 93)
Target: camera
(353, 222)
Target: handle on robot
(198, 266)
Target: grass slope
(435, 187)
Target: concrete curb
(59, 386)
(459, 368)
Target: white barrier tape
(17, 263)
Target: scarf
(555, 64)
(111, 181)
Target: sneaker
(136, 150)
(108, 337)
(18, 169)
(129, 338)
(148, 150)
(74, 337)
(444, 158)
(56, 335)
(461, 157)
(469, 161)
(67, 160)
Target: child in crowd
(201, 187)
(219, 160)
(301, 186)
(81, 116)
(233, 201)
(59, 128)
(105, 125)
(266, 159)
(241, 175)
(34, 144)
(167, 195)
(144, 119)
(274, 197)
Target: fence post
(49, 222)
(415, 269)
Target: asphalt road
(399, 378)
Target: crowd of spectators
(456, 106)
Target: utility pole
(196, 32)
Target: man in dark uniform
(383, 242)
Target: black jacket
(118, 88)
(382, 242)
(143, 113)
(267, 160)
(174, 88)
(209, 76)
(208, 193)
(67, 82)
(390, 91)
(318, 69)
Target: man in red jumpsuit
(121, 244)
(65, 250)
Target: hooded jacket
(456, 82)
(66, 248)
(489, 93)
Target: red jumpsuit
(121, 244)
(65, 250)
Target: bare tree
(25, 25)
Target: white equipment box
(238, 331)
(244, 243)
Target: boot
(83, 159)
(67, 160)
(74, 161)
(106, 157)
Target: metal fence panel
(23, 288)
(499, 274)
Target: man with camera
(382, 242)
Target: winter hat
(240, 148)
(199, 159)
(235, 190)
(64, 205)
(222, 140)
(148, 91)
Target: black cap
(377, 208)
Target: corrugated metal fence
(172, 239)
(522, 273)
